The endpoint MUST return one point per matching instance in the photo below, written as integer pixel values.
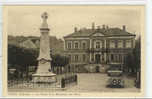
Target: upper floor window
(120, 44)
(76, 58)
(76, 45)
(69, 46)
(112, 44)
(97, 44)
(128, 44)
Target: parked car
(115, 70)
(116, 79)
(115, 82)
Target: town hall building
(98, 45)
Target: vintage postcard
(73, 51)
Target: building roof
(118, 32)
(106, 32)
(85, 32)
(29, 44)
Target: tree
(137, 54)
(59, 61)
(132, 60)
(21, 58)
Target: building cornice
(88, 37)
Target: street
(96, 82)
(87, 82)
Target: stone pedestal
(44, 78)
(43, 73)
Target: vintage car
(115, 70)
(116, 78)
(115, 82)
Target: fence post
(76, 78)
(70, 79)
(73, 78)
(62, 83)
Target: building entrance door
(97, 58)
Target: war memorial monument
(43, 73)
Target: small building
(100, 46)
(30, 44)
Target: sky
(26, 20)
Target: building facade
(98, 45)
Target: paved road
(96, 82)
(88, 82)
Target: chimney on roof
(80, 30)
(124, 28)
(75, 29)
(98, 27)
(93, 26)
(103, 26)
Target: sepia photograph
(73, 50)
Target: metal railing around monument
(62, 81)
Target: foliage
(58, 60)
(57, 45)
(137, 54)
(132, 60)
(21, 58)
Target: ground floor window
(120, 57)
(102, 57)
(76, 58)
(116, 58)
(97, 58)
(84, 57)
(112, 57)
(70, 58)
